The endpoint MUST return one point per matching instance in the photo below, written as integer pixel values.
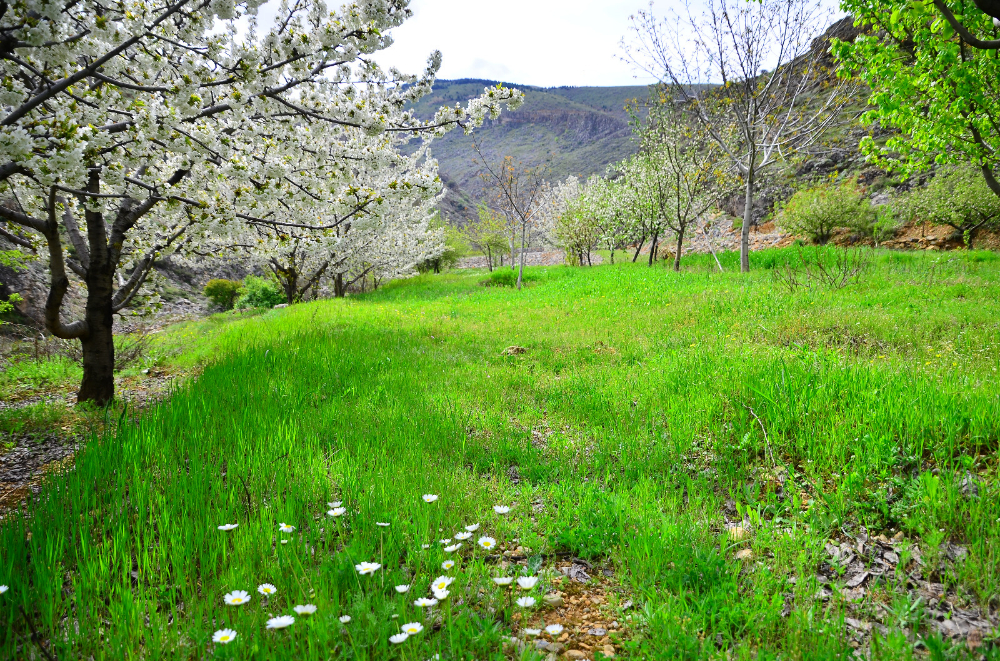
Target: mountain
(572, 130)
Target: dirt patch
(25, 462)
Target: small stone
(555, 648)
(576, 654)
(609, 651)
(541, 644)
(738, 532)
(553, 599)
(563, 638)
(597, 631)
(744, 555)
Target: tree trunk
(588, 258)
(489, 259)
(680, 244)
(98, 385)
(638, 250)
(513, 240)
(338, 286)
(520, 271)
(652, 247)
(747, 217)
(612, 255)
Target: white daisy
(501, 509)
(237, 597)
(473, 528)
(226, 527)
(447, 564)
(424, 602)
(444, 541)
(266, 589)
(412, 628)
(308, 609)
(402, 588)
(442, 583)
(426, 546)
(503, 580)
(398, 638)
(336, 511)
(3, 588)
(463, 535)
(532, 632)
(284, 541)
(429, 498)
(284, 527)
(527, 582)
(526, 602)
(452, 548)
(335, 503)
(487, 543)
(441, 595)
(368, 568)
(223, 636)
(554, 629)
(280, 622)
(381, 524)
(344, 619)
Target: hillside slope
(572, 130)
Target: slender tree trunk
(652, 247)
(588, 257)
(747, 217)
(520, 271)
(612, 254)
(98, 385)
(489, 259)
(513, 239)
(338, 286)
(680, 244)
(638, 250)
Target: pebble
(553, 599)
(576, 654)
(744, 554)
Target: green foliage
(487, 233)
(453, 249)
(817, 212)
(223, 293)
(942, 96)
(958, 197)
(259, 293)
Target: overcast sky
(531, 42)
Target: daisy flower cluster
(440, 587)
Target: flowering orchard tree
(129, 130)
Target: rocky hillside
(572, 130)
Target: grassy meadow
(710, 443)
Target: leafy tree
(816, 212)
(940, 93)
(222, 292)
(957, 197)
(486, 233)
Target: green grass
(635, 419)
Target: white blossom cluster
(129, 130)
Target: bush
(816, 212)
(259, 293)
(503, 278)
(223, 293)
(958, 197)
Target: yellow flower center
(224, 639)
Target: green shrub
(502, 278)
(958, 197)
(816, 212)
(259, 293)
(223, 293)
